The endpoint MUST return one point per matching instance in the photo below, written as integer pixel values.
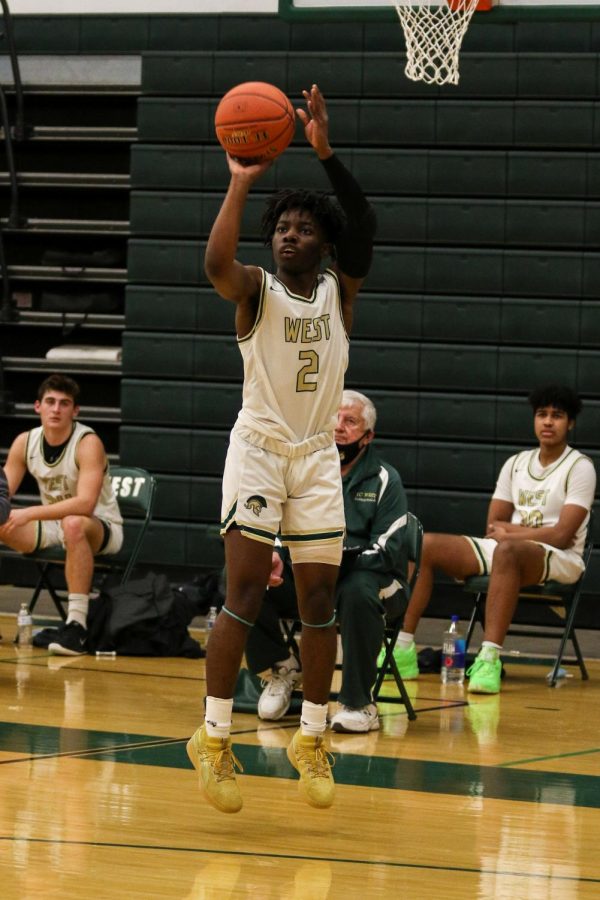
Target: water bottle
(210, 621)
(453, 654)
(24, 627)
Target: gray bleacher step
(68, 273)
(73, 73)
(82, 133)
(59, 320)
(69, 179)
(74, 226)
(37, 364)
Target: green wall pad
(175, 450)
(368, 74)
(182, 544)
(203, 405)
(178, 262)
(390, 172)
(181, 355)
(186, 498)
(187, 309)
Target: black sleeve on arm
(354, 247)
(4, 498)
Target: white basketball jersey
(295, 358)
(58, 480)
(538, 494)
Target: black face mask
(349, 452)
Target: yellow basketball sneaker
(215, 763)
(313, 762)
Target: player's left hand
(316, 121)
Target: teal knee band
(324, 625)
(237, 618)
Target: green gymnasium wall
(486, 273)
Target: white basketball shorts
(300, 499)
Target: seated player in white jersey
(282, 473)
(536, 529)
(78, 508)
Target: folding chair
(413, 544)
(560, 601)
(135, 490)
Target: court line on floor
(430, 867)
(92, 751)
(537, 759)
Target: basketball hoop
(434, 31)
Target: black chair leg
(389, 665)
(410, 710)
(289, 630)
(44, 582)
(477, 615)
(580, 659)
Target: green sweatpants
(361, 619)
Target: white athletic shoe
(275, 699)
(356, 720)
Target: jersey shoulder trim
(338, 288)
(260, 312)
(79, 432)
(580, 456)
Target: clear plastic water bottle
(24, 627)
(210, 620)
(453, 654)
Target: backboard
(383, 10)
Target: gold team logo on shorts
(256, 503)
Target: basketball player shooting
(282, 472)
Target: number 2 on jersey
(310, 367)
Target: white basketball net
(434, 31)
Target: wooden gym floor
(489, 797)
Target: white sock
(405, 640)
(77, 610)
(313, 719)
(217, 718)
(489, 645)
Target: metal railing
(13, 214)
(20, 130)
(18, 133)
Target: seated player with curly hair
(536, 529)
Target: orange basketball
(255, 120)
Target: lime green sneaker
(215, 763)
(406, 660)
(313, 762)
(485, 673)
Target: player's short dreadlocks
(320, 205)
